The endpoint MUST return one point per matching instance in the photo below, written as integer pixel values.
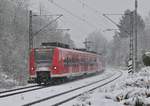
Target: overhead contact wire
(72, 14)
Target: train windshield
(43, 56)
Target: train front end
(40, 65)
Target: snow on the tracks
(130, 89)
(20, 99)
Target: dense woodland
(119, 46)
(117, 50)
(14, 22)
(14, 32)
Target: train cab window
(43, 56)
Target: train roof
(49, 45)
(69, 50)
(78, 51)
(55, 44)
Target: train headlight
(32, 68)
(55, 67)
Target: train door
(73, 63)
(70, 69)
(75, 66)
(86, 63)
(80, 62)
(77, 63)
(99, 62)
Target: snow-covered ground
(130, 90)
(6, 82)
(27, 97)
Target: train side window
(73, 61)
(66, 61)
(70, 61)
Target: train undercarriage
(43, 78)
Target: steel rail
(53, 96)
(19, 92)
(17, 89)
(69, 99)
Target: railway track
(66, 96)
(27, 89)
(19, 90)
(16, 91)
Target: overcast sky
(91, 11)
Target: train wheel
(47, 83)
(64, 80)
(39, 83)
(59, 81)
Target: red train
(56, 63)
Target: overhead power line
(77, 28)
(91, 8)
(99, 14)
(72, 14)
(47, 25)
(105, 15)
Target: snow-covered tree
(97, 42)
(14, 26)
